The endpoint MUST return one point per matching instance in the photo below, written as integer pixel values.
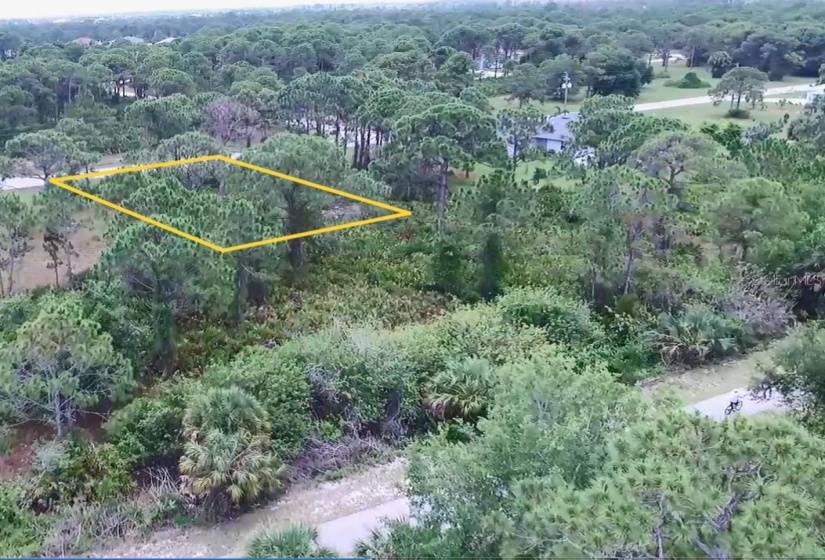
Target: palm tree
(228, 459)
(227, 410)
(239, 466)
(461, 390)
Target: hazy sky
(10, 9)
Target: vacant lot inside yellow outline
(62, 182)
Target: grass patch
(27, 195)
(653, 92)
(696, 115)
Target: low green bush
(463, 390)
(356, 369)
(357, 302)
(14, 312)
(75, 470)
(148, 430)
(473, 331)
(279, 384)
(690, 81)
(563, 318)
(696, 335)
(228, 460)
(738, 114)
(22, 532)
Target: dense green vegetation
(498, 334)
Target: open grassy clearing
(88, 243)
(696, 115)
(655, 91)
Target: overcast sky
(11, 9)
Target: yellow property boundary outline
(62, 183)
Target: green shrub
(279, 384)
(462, 390)
(14, 312)
(228, 458)
(564, 319)
(690, 81)
(360, 303)
(448, 269)
(479, 331)
(661, 75)
(215, 343)
(75, 470)
(632, 361)
(356, 369)
(147, 430)
(738, 114)
(21, 531)
(296, 541)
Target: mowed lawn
(696, 115)
(655, 91)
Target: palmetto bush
(696, 335)
(297, 541)
(461, 390)
(228, 458)
(227, 410)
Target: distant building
(130, 39)
(488, 63)
(86, 41)
(555, 135)
(812, 94)
(167, 41)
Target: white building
(813, 94)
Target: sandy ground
(705, 382)
(312, 502)
(88, 244)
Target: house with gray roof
(555, 135)
(130, 39)
(86, 41)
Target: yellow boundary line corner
(62, 182)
